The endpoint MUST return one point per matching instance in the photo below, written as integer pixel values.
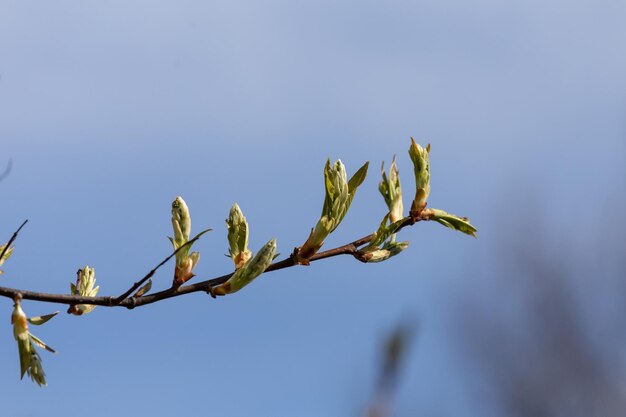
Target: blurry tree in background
(393, 357)
(548, 334)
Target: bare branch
(8, 245)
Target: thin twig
(8, 245)
(149, 275)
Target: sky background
(111, 109)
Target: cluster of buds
(30, 361)
(85, 287)
(421, 167)
(339, 195)
(185, 261)
(6, 252)
(383, 244)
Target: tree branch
(125, 300)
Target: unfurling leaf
(35, 370)
(39, 320)
(374, 252)
(30, 361)
(384, 231)
(20, 332)
(357, 179)
(421, 167)
(339, 195)
(461, 224)
(37, 341)
(247, 273)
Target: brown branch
(204, 286)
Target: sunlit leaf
(39, 320)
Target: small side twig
(8, 245)
(149, 275)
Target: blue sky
(111, 109)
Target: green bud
(6, 255)
(388, 250)
(247, 273)
(421, 166)
(385, 236)
(181, 221)
(339, 195)
(85, 287)
(185, 262)
(184, 271)
(391, 190)
(238, 237)
(461, 224)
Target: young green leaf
(39, 320)
(358, 178)
(35, 370)
(37, 341)
(247, 273)
(337, 200)
(454, 222)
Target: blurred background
(110, 109)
